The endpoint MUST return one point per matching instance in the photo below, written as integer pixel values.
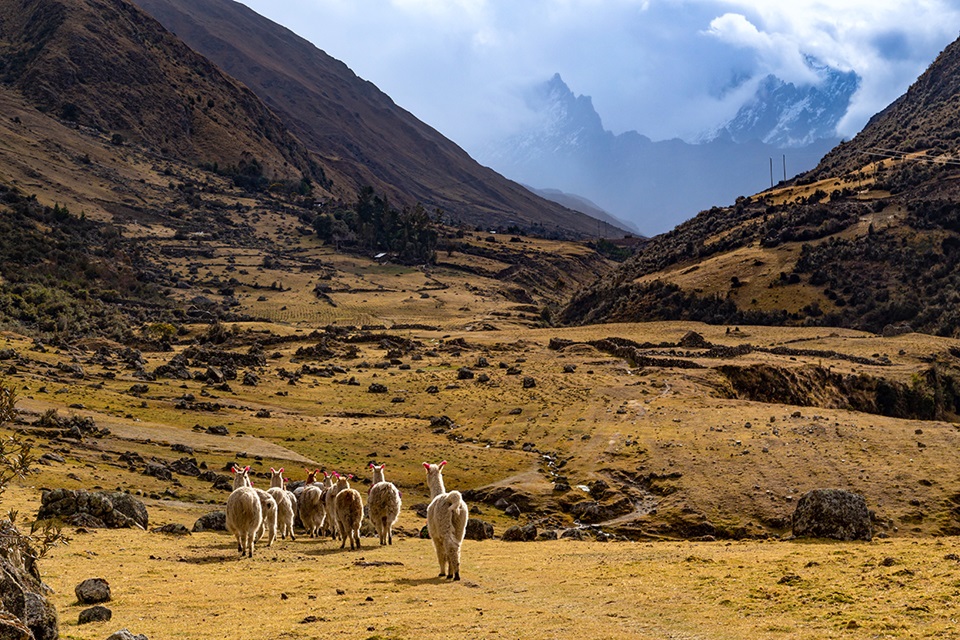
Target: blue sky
(665, 68)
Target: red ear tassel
(443, 463)
(426, 465)
(281, 470)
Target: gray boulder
(23, 603)
(832, 513)
(216, 521)
(478, 529)
(98, 613)
(526, 533)
(123, 634)
(98, 509)
(93, 591)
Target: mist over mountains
(656, 185)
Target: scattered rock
(512, 510)
(216, 521)
(98, 613)
(832, 513)
(97, 509)
(516, 533)
(123, 634)
(93, 591)
(479, 529)
(22, 594)
(464, 374)
(529, 382)
(376, 387)
(174, 528)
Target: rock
(529, 382)
(93, 591)
(131, 507)
(420, 509)
(250, 379)
(832, 513)
(157, 471)
(174, 528)
(478, 529)
(464, 374)
(693, 340)
(550, 534)
(376, 387)
(433, 389)
(123, 634)
(512, 510)
(185, 467)
(11, 628)
(216, 521)
(98, 509)
(98, 613)
(569, 368)
(23, 601)
(517, 533)
(573, 534)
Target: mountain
(787, 116)
(360, 134)
(655, 185)
(583, 205)
(106, 65)
(863, 240)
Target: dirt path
(121, 429)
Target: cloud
(665, 68)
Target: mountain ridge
(358, 131)
(653, 184)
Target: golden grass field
(711, 457)
(607, 420)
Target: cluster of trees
(65, 275)
(372, 225)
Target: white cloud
(662, 67)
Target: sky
(664, 68)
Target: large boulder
(214, 521)
(516, 533)
(97, 509)
(478, 529)
(93, 591)
(832, 513)
(22, 594)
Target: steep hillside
(358, 130)
(105, 64)
(863, 242)
(924, 119)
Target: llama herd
(331, 507)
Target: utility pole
(784, 167)
(771, 173)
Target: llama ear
(272, 470)
(371, 466)
(234, 469)
(246, 469)
(383, 466)
(426, 465)
(280, 470)
(349, 476)
(442, 463)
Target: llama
(286, 503)
(384, 503)
(330, 497)
(348, 512)
(243, 513)
(446, 521)
(268, 506)
(328, 526)
(312, 509)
